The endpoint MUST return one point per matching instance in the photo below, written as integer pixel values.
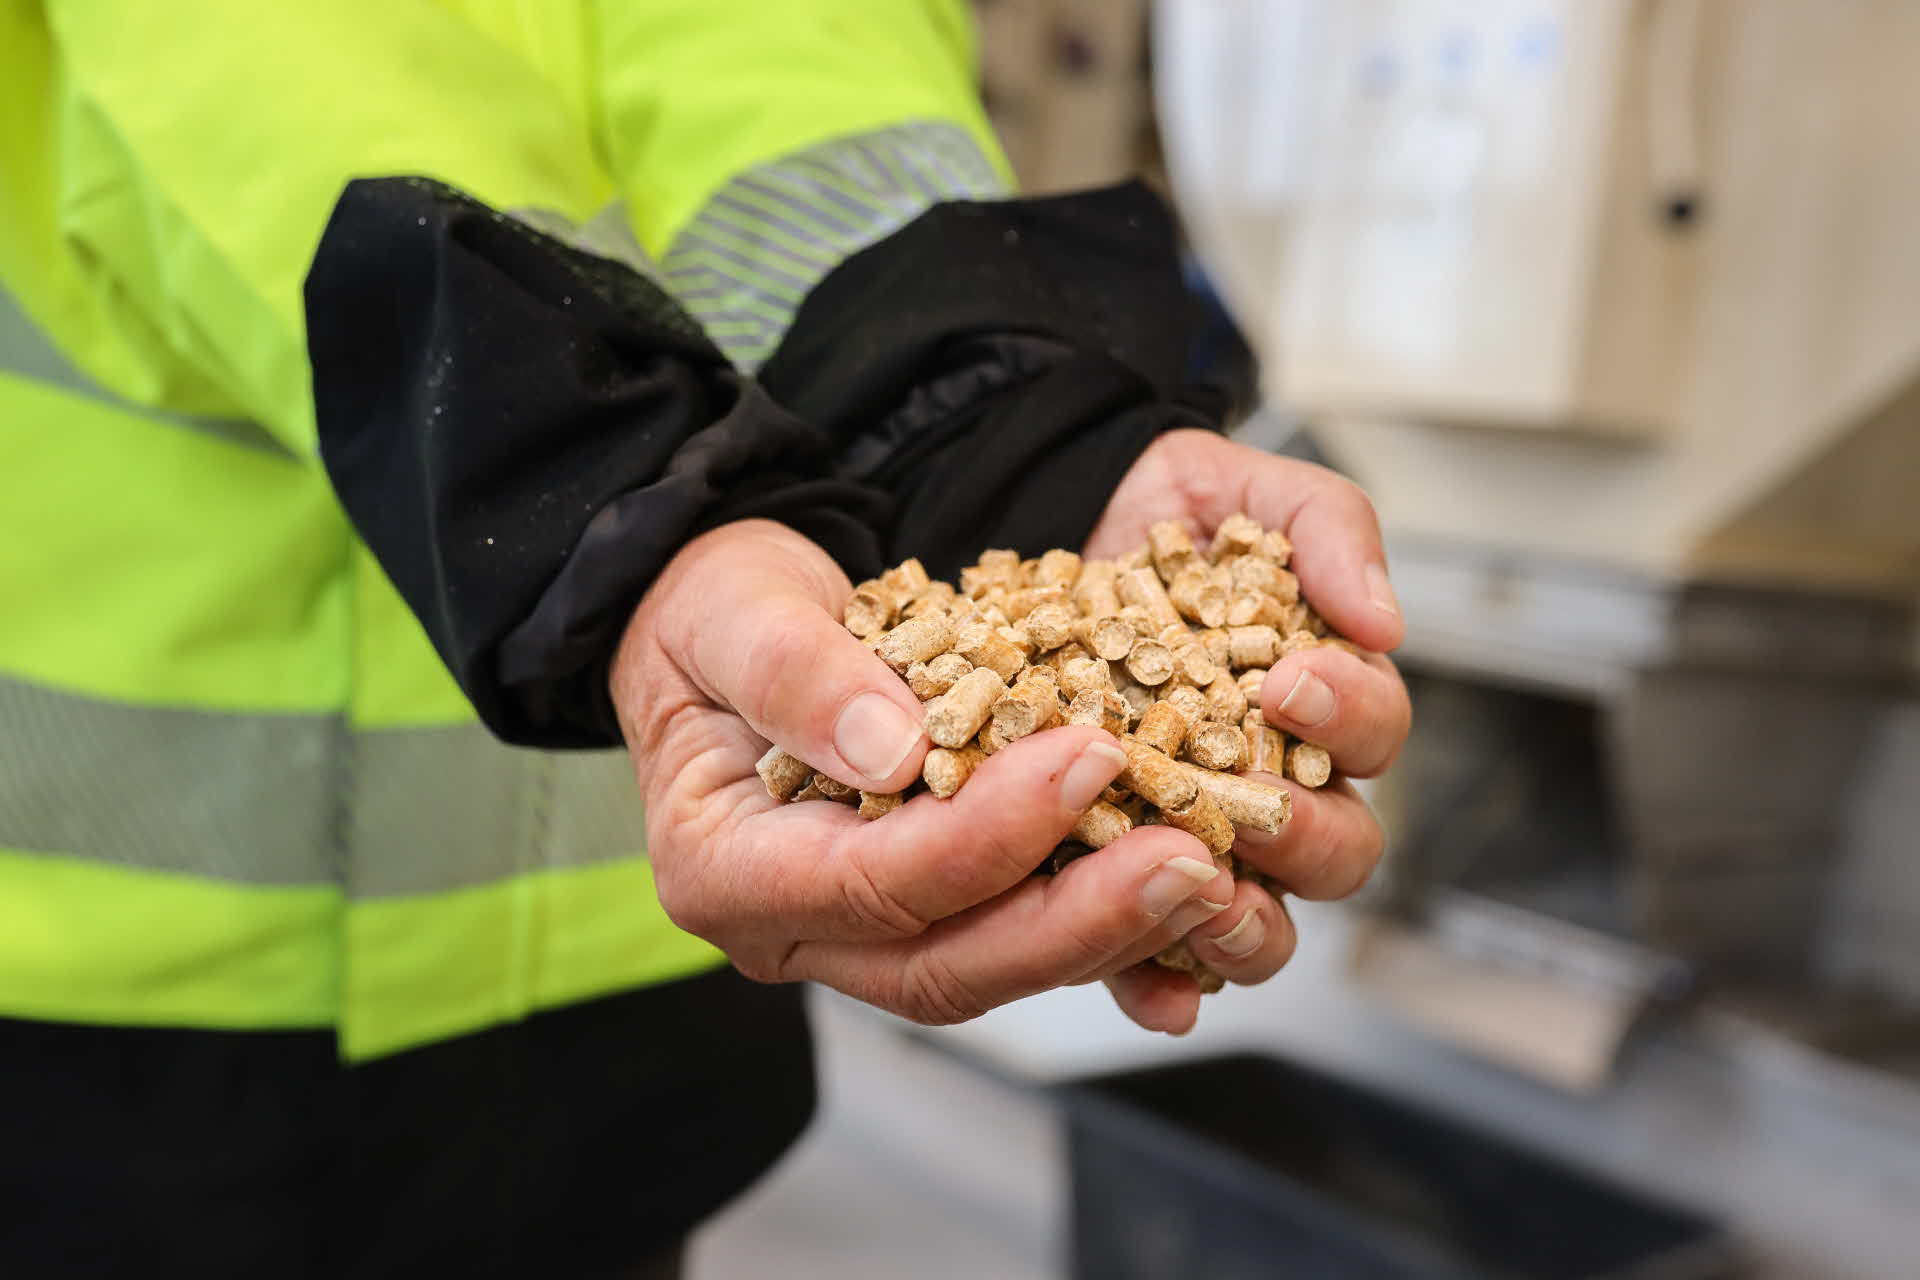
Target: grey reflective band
(300, 799)
(745, 261)
(26, 351)
(234, 797)
(437, 809)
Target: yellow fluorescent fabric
(678, 123)
(84, 941)
(421, 969)
(165, 174)
(208, 143)
(155, 565)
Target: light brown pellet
(981, 645)
(1093, 591)
(1085, 673)
(783, 774)
(1266, 745)
(1149, 662)
(1032, 704)
(1155, 776)
(1179, 955)
(956, 715)
(1253, 646)
(1188, 701)
(1100, 826)
(1214, 641)
(1049, 626)
(1202, 818)
(1309, 765)
(1225, 702)
(907, 579)
(1110, 637)
(1163, 728)
(946, 770)
(833, 790)
(878, 804)
(1058, 568)
(915, 640)
(1245, 802)
(1198, 598)
(870, 609)
(1236, 536)
(1250, 682)
(1213, 745)
(1142, 589)
(1171, 548)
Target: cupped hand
(929, 912)
(1355, 706)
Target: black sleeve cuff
(525, 434)
(996, 366)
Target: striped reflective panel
(745, 261)
(300, 800)
(26, 351)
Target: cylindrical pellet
(878, 804)
(907, 579)
(1049, 626)
(1266, 745)
(1100, 826)
(783, 774)
(1203, 819)
(1085, 673)
(1059, 568)
(937, 598)
(1024, 601)
(1188, 701)
(956, 715)
(1214, 641)
(1245, 802)
(1171, 548)
(915, 640)
(1163, 728)
(1253, 646)
(946, 771)
(1093, 591)
(1250, 682)
(1178, 955)
(1297, 642)
(1309, 765)
(1213, 745)
(980, 644)
(1142, 589)
(1275, 546)
(832, 789)
(1150, 663)
(1156, 777)
(870, 609)
(1225, 702)
(1031, 705)
(1197, 598)
(1109, 637)
(1237, 535)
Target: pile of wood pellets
(1165, 648)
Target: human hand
(1355, 706)
(929, 912)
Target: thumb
(764, 639)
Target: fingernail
(1191, 915)
(874, 736)
(1309, 702)
(1379, 590)
(1244, 938)
(1173, 882)
(1096, 766)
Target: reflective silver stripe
(436, 809)
(248, 798)
(745, 261)
(26, 351)
(300, 800)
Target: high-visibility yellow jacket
(238, 789)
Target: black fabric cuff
(996, 366)
(525, 434)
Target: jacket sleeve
(205, 146)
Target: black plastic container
(1242, 1167)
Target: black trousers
(584, 1142)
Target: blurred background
(1614, 307)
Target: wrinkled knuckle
(876, 912)
(933, 995)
